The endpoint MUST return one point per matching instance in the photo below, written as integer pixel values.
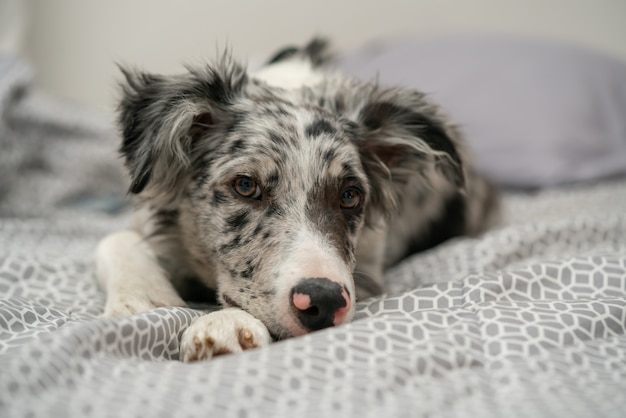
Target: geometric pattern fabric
(527, 320)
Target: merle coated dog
(288, 192)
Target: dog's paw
(223, 332)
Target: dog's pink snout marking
(301, 301)
(342, 313)
(320, 303)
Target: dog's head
(271, 187)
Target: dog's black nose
(320, 303)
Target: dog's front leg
(128, 270)
(230, 330)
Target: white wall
(74, 43)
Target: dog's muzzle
(320, 303)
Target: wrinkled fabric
(527, 320)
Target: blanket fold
(527, 320)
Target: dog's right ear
(161, 116)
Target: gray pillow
(535, 113)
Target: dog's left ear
(404, 136)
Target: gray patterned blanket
(527, 320)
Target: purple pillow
(535, 113)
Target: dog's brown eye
(247, 187)
(350, 198)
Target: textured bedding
(527, 320)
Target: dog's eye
(247, 187)
(350, 198)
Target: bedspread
(527, 320)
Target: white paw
(227, 331)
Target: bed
(528, 319)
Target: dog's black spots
(233, 273)
(218, 198)
(272, 180)
(284, 125)
(230, 301)
(273, 112)
(284, 54)
(219, 85)
(237, 146)
(278, 139)
(284, 113)
(167, 218)
(216, 89)
(258, 229)
(165, 222)
(348, 171)
(235, 122)
(274, 211)
(202, 165)
(142, 175)
(319, 127)
(238, 220)
(249, 270)
(197, 196)
(451, 223)
(229, 246)
(245, 242)
(139, 183)
(247, 273)
(276, 152)
(376, 115)
(269, 292)
(266, 235)
(329, 155)
(349, 126)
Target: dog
(288, 192)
